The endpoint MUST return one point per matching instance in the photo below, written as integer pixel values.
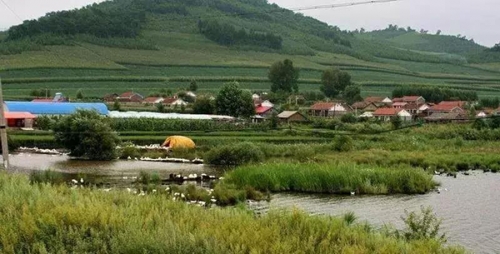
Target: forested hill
(136, 38)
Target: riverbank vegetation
(94, 221)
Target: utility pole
(3, 131)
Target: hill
(147, 45)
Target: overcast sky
(478, 19)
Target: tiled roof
(411, 98)
(169, 100)
(287, 114)
(262, 110)
(129, 94)
(322, 106)
(152, 99)
(386, 112)
(373, 99)
(19, 115)
(399, 104)
(360, 105)
(447, 106)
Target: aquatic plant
(57, 219)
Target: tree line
(228, 35)
(93, 20)
(435, 94)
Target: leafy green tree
(274, 121)
(160, 107)
(352, 94)
(284, 77)
(193, 86)
(79, 95)
(203, 105)
(422, 226)
(233, 101)
(87, 134)
(396, 122)
(496, 48)
(334, 82)
(117, 106)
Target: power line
(330, 6)
(11, 10)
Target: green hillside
(147, 45)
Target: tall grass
(56, 219)
(332, 178)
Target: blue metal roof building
(51, 108)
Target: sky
(477, 19)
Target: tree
(160, 107)
(328, 80)
(396, 122)
(438, 32)
(352, 94)
(87, 134)
(79, 95)
(284, 77)
(233, 101)
(274, 121)
(334, 81)
(193, 86)
(203, 105)
(117, 106)
(496, 48)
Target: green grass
(332, 178)
(43, 218)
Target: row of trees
(284, 79)
(228, 35)
(435, 94)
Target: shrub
(349, 118)
(422, 226)
(129, 150)
(234, 155)
(343, 143)
(87, 134)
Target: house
(59, 97)
(174, 101)
(446, 117)
(267, 103)
(386, 114)
(292, 117)
(153, 100)
(264, 112)
(255, 97)
(418, 100)
(448, 107)
(50, 108)
(399, 105)
(20, 119)
(130, 97)
(365, 107)
(325, 109)
(481, 114)
(191, 94)
(110, 97)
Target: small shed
(20, 119)
(292, 117)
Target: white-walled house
(386, 114)
(267, 103)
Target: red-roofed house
(386, 114)
(153, 100)
(20, 119)
(325, 109)
(130, 97)
(264, 112)
(448, 107)
(378, 100)
(419, 100)
(110, 97)
(398, 105)
(174, 101)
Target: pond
(468, 205)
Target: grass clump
(234, 155)
(46, 177)
(93, 221)
(332, 178)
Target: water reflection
(470, 208)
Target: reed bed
(42, 218)
(342, 178)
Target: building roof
(386, 112)
(43, 100)
(152, 99)
(129, 95)
(447, 106)
(262, 110)
(360, 105)
(411, 98)
(49, 108)
(288, 114)
(19, 115)
(372, 99)
(399, 104)
(322, 106)
(169, 100)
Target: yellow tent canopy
(179, 142)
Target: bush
(349, 118)
(343, 143)
(87, 134)
(234, 155)
(129, 150)
(422, 226)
